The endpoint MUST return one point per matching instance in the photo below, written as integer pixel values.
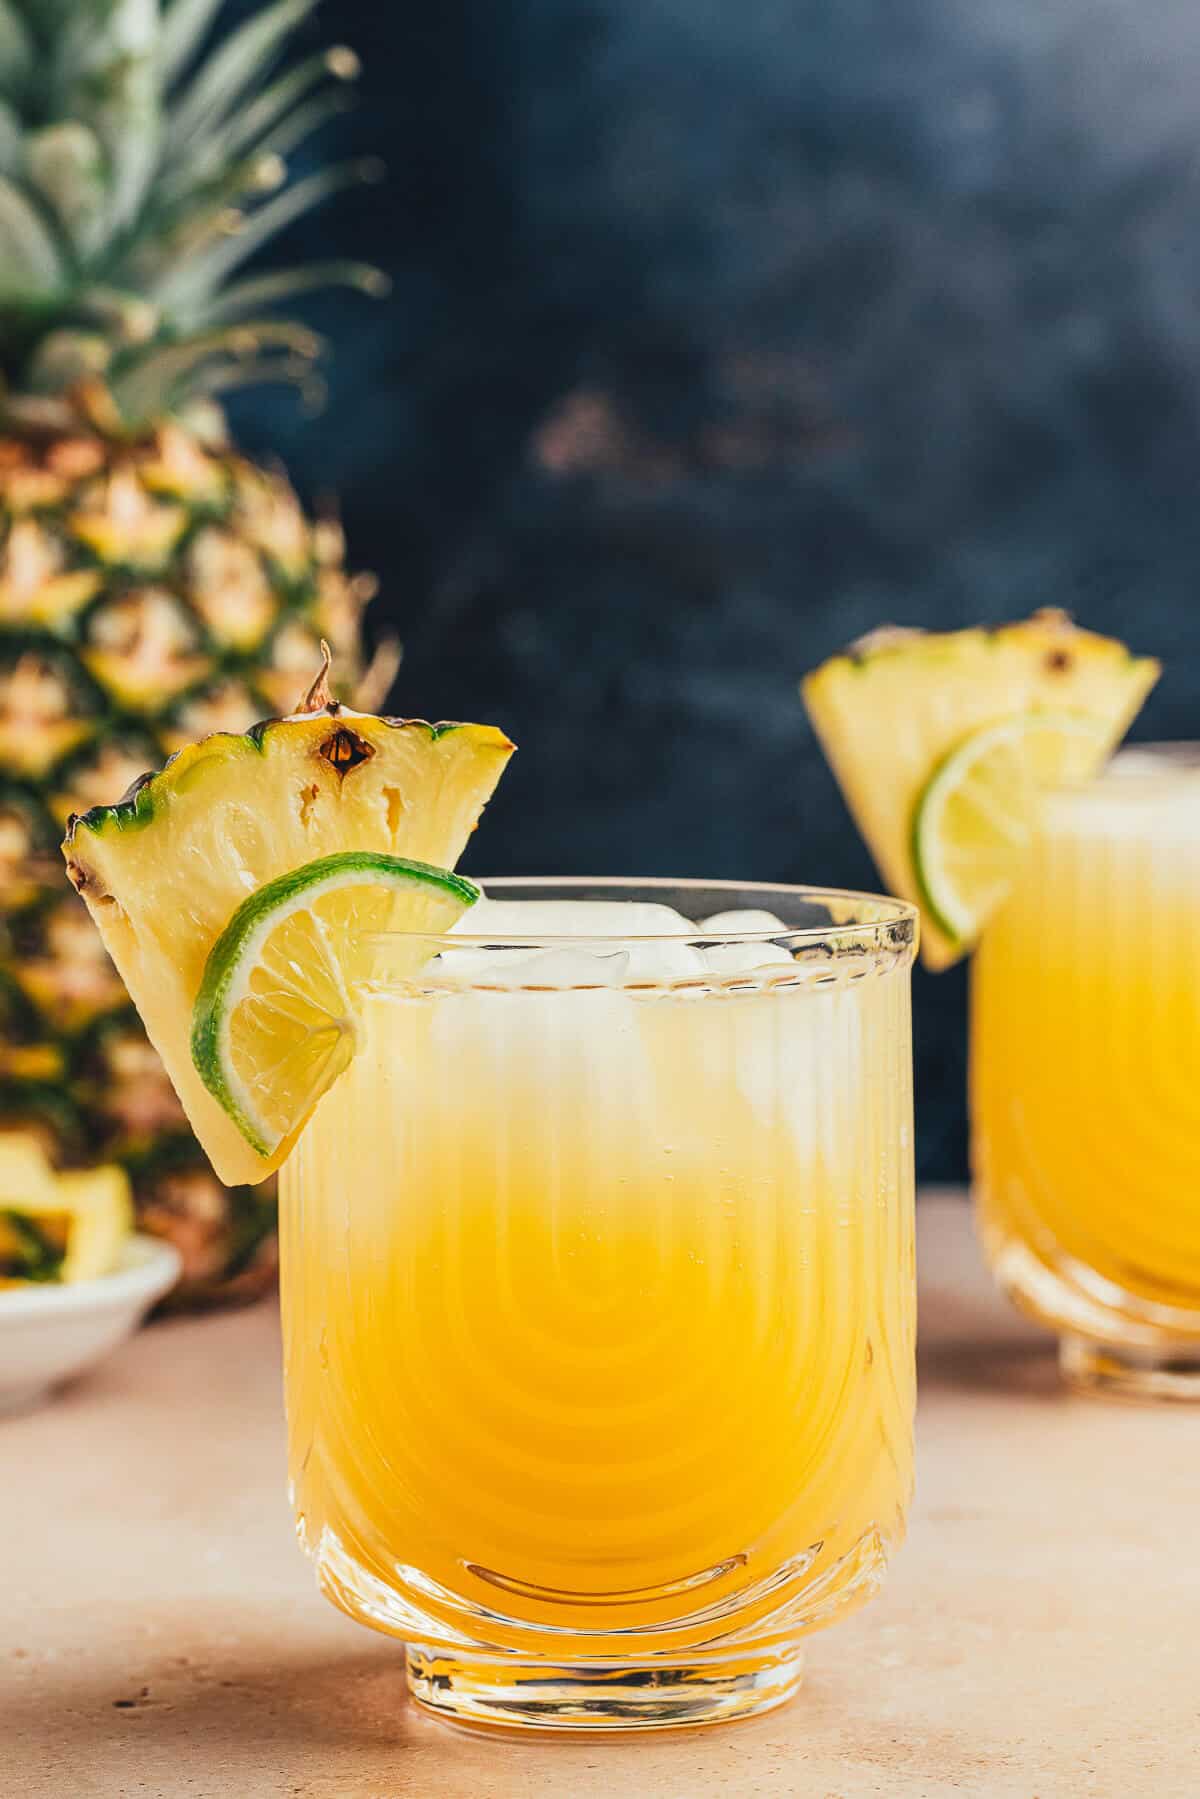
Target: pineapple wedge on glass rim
(942, 740)
(164, 872)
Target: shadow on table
(338, 1727)
(971, 1338)
(229, 1715)
(1002, 1367)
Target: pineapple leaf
(123, 316)
(259, 371)
(129, 128)
(259, 291)
(248, 127)
(151, 385)
(195, 278)
(16, 49)
(231, 71)
(123, 213)
(29, 258)
(301, 122)
(209, 185)
(66, 165)
(211, 209)
(12, 142)
(339, 64)
(183, 30)
(64, 358)
(108, 80)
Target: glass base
(494, 1693)
(1123, 1373)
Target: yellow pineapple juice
(1085, 1058)
(599, 1321)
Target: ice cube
(798, 1052)
(743, 918)
(659, 960)
(504, 920)
(786, 1059)
(538, 1075)
(591, 922)
(743, 958)
(536, 967)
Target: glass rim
(881, 923)
(1181, 753)
(1132, 769)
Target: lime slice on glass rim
(276, 1018)
(976, 814)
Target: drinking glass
(599, 1303)
(1085, 1096)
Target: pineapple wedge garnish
(942, 742)
(165, 870)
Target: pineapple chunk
(890, 709)
(99, 1206)
(58, 1227)
(163, 872)
(26, 1177)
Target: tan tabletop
(1039, 1636)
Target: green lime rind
(925, 897)
(966, 751)
(251, 924)
(920, 813)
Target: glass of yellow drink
(1085, 1049)
(599, 1297)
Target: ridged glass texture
(1085, 1098)
(599, 1312)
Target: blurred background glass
(722, 333)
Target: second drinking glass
(1085, 1050)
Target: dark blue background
(725, 329)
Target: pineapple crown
(139, 171)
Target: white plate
(50, 1333)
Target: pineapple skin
(151, 591)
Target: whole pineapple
(154, 585)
